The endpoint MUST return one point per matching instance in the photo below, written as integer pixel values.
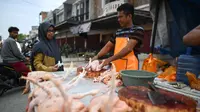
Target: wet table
(83, 86)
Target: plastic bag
(193, 80)
(169, 74)
(151, 64)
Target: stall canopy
(174, 20)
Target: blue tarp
(186, 14)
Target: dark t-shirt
(136, 33)
(195, 50)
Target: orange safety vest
(129, 62)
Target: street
(13, 101)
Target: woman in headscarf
(46, 54)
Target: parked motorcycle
(9, 78)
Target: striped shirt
(135, 32)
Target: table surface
(86, 85)
(83, 86)
(187, 91)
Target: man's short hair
(11, 29)
(127, 8)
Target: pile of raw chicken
(50, 94)
(99, 74)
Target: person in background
(193, 37)
(11, 54)
(46, 54)
(125, 42)
(192, 40)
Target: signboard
(83, 28)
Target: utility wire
(31, 3)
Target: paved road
(13, 101)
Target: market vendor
(193, 37)
(125, 42)
(192, 40)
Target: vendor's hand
(55, 68)
(105, 62)
(95, 58)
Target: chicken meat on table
(53, 94)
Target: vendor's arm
(109, 46)
(193, 37)
(38, 63)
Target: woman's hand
(55, 68)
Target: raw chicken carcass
(93, 68)
(38, 95)
(45, 91)
(105, 77)
(118, 83)
(108, 102)
(99, 103)
(71, 103)
(39, 76)
(54, 99)
(94, 65)
(90, 74)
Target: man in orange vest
(125, 42)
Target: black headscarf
(46, 46)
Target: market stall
(133, 98)
(91, 89)
(47, 89)
(172, 20)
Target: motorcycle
(9, 78)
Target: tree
(21, 36)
